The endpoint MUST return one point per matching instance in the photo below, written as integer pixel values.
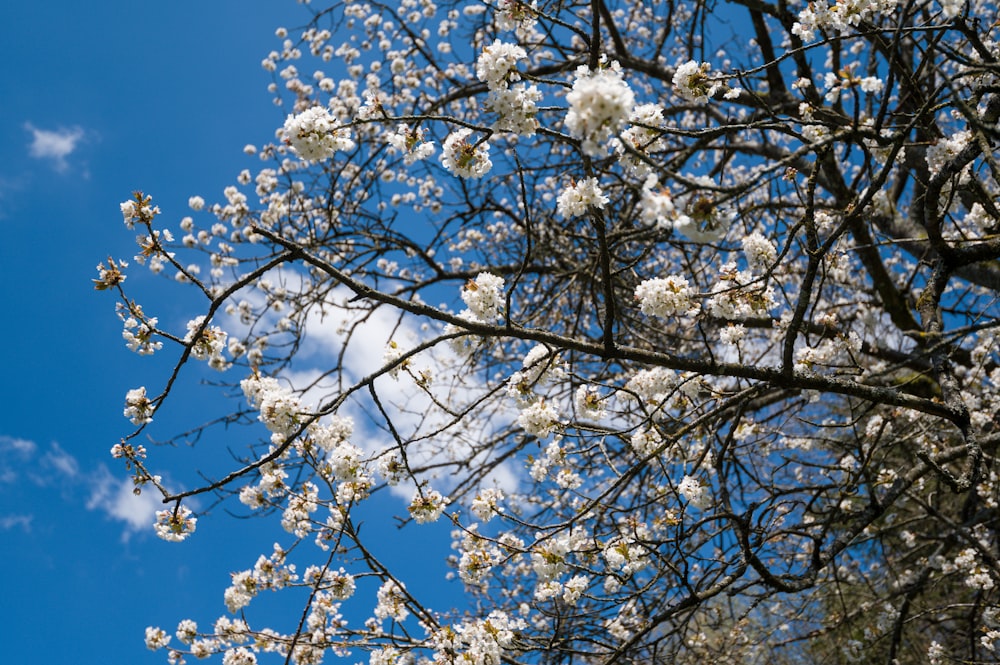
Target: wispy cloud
(24, 465)
(61, 461)
(8, 522)
(13, 454)
(54, 146)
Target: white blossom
(732, 333)
(279, 409)
(589, 402)
(516, 14)
(239, 656)
(516, 108)
(138, 335)
(642, 139)
(207, 343)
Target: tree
(713, 375)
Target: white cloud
(54, 145)
(113, 496)
(437, 441)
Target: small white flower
(516, 14)
(732, 334)
(391, 602)
(516, 108)
(574, 588)
(239, 656)
(465, 159)
(187, 631)
(589, 402)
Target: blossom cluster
(576, 199)
(516, 14)
(207, 343)
(484, 297)
(175, 525)
(515, 105)
(694, 492)
(409, 141)
(427, 506)
(138, 408)
(691, 81)
(138, 210)
(482, 641)
(846, 79)
(642, 139)
(315, 134)
(516, 108)
(138, 332)
(279, 409)
(600, 103)
(839, 17)
(759, 251)
(699, 217)
(666, 297)
(738, 295)
(497, 64)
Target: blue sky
(100, 99)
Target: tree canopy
(681, 313)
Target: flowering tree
(682, 314)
